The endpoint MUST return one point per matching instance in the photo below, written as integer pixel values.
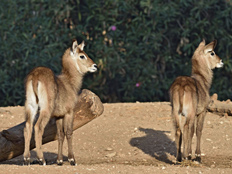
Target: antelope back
(206, 56)
(83, 63)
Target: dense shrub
(140, 46)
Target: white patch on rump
(185, 105)
(42, 95)
(31, 105)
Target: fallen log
(222, 108)
(88, 107)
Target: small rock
(136, 129)
(121, 155)
(110, 155)
(195, 162)
(212, 166)
(109, 149)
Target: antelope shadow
(156, 144)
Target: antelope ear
(210, 46)
(74, 46)
(81, 46)
(202, 44)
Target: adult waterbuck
(190, 97)
(49, 96)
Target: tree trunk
(223, 108)
(88, 107)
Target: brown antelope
(189, 97)
(55, 96)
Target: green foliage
(151, 45)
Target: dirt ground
(129, 138)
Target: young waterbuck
(55, 96)
(189, 97)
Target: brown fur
(55, 96)
(189, 97)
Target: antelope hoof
(26, 162)
(178, 159)
(189, 157)
(72, 162)
(198, 159)
(42, 162)
(59, 162)
(177, 162)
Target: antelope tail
(181, 97)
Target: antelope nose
(95, 66)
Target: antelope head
(83, 63)
(207, 54)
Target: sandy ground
(129, 138)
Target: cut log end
(222, 108)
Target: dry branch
(220, 107)
(88, 107)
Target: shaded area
(156, 144)
(49, 157)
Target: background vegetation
(140, 46)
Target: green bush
(140, 46)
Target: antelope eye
(82, 57)
(212, 54)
